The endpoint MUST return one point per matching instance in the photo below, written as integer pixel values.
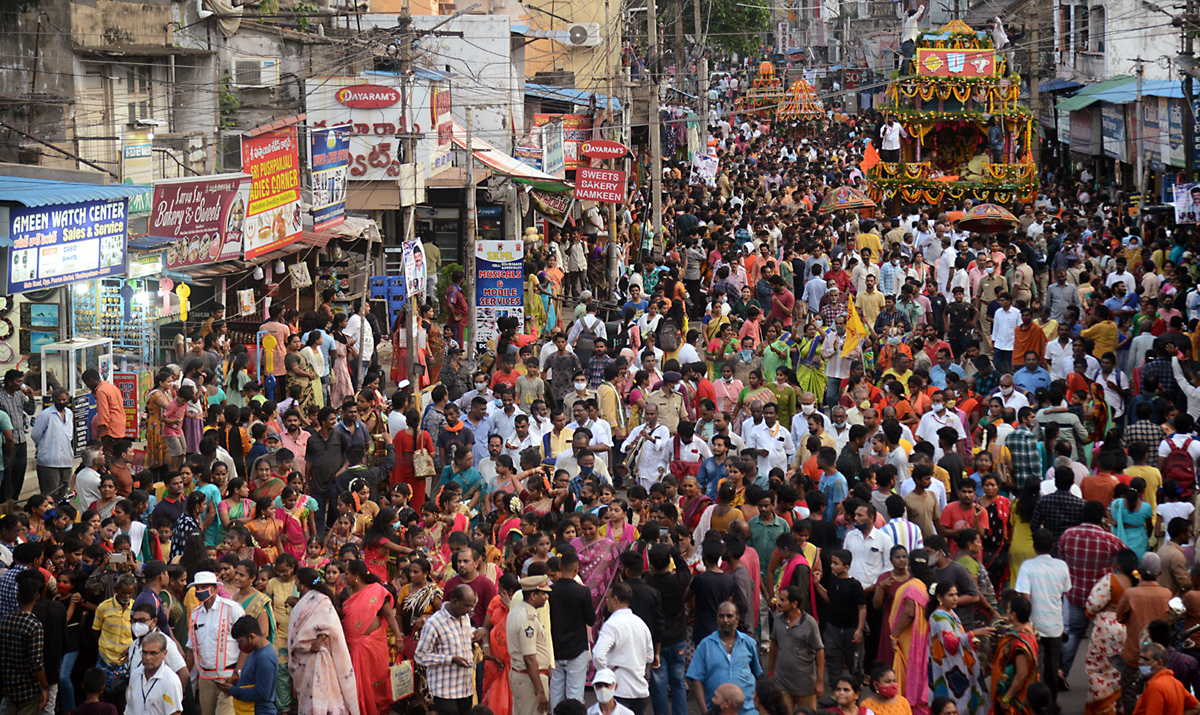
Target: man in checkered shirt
(1089, 550)
(445, 652)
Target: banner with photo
(1187, 203)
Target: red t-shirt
(955, 517)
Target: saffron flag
(870, 157)
(856, 332)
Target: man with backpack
(1178, 453)
(584, 333)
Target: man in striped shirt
(445, 651)
(902, 531)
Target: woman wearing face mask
(776, 353)
(755, 393)
(368, 615)
(381, 540)
(887, 699)
(727, 389)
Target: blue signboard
(499, 287)
(56, 245)
(330, 164)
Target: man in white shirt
(1122, 274)
(210, 641)
(771, 442)
(655, 447)
(625, 647)
(154, 689)
(869, 547)
(1045, 580)
(356, 328)
(1004, 330)
(521, 439)
(1059, 354)
(1008, 394)
(891, 133)
(938, 417)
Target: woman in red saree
(379, 543)
(694, 503)
(497, 691)
(406, 442)
(365, 613)
(292, 539)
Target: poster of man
(1187, 203)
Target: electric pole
(655, 122)
(472, 322)
(701, 74)
(1189, 113)
(1141, 145)
(1035, 69)
(410, 318)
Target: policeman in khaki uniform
(529, 649)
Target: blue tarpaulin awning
(43, 192)
(1059, 85)
(571, 96)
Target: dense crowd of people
(770, 459)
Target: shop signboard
(205, 217)
(531, 156)
(137, 165)
(374, 112)
(555, 206)
(127, 383)
(1151, 139)
(83, 407)
(65, 243)
(330, 159)
(1172, 109)
(273, 217)
(956, 63)
(576, 129)
(442, 119)
(499, 288)
(600, 185)
(1112, 130)
(1081, 131)
(554, 160)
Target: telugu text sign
(599, 185)
(956, 63)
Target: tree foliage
(732, 25)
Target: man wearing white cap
(529, 649)
(624, 644)
(605, 683)
(212, 649)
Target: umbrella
(988, 218)
(845, 198)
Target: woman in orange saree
(365, 614)
(497, 692)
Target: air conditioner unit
(584, 35)
(254, 72)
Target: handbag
(423, 463)
(680, 468)
(401, 676)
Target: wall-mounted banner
(956, 63)
(330, 158)
(205, 216)
(499, 288)
(65, 243)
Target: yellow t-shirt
(113, 622)
(1104, 334)
(1153, 479)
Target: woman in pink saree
(367, 615)
(597, 558)
(318, 658)
(910, 632)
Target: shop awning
(570, 96)
(1126, 93)
(43, 192)
(1087, 96)
(1059, 85)
(505, 165)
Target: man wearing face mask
(837, 366)
(939, 417)
(156, 580)
(579, 392)
(989, 289)
(212, 649)
(1009, 395)
(255, 683)
(771, 443)
(144, 623)
(605, 683)
(52, 433)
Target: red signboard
(577, 129)
(956, 63)
(367, 96)
(127, 383)
(599, 185)
(273, 216)
(206, 216)
(603, 149)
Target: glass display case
(66, 362)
